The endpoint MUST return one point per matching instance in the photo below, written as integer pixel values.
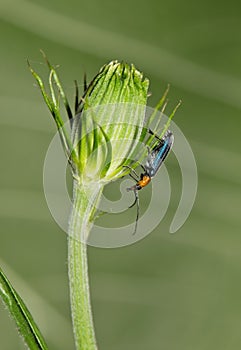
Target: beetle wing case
(159, 153)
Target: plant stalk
(85, 200)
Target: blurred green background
(167, 292)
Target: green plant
(107, 130)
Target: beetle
(154, 160)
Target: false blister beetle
(154, 160)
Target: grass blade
(26, 326)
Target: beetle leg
(152, 133)
(133, 171)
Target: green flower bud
(109, 126)
(109, 122)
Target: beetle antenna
(136, 201)
(137, 211)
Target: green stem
(84, 206)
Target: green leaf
(26, 326)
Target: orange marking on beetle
(144, 181)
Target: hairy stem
(84, 205)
